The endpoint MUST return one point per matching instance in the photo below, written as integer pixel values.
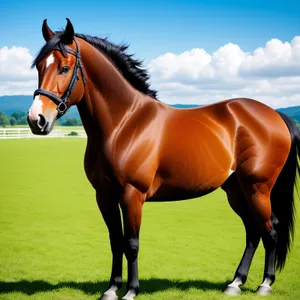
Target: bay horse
(140, 149)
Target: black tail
(283, 194)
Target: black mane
(130, 67)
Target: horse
(141, 149)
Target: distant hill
(293, 112)
(10, 104)
(186, 105)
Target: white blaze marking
(36, 108)
(50, 60)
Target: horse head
(61, 79)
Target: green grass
(54, 244)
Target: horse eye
(65, 70)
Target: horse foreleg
(131, 204)
(111, 215)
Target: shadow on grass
(148, 286)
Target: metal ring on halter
(62, 107)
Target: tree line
(20, 118)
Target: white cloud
(270, 74)
(16, 76)
(171, 66)
(276, 59)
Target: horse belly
(173, 193)
(188, 180)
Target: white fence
(25, 133)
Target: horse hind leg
(238, 203)
(258, 195)
(270, 243)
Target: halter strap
(63, 102)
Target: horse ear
(47, 32)
(69, 33)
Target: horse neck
(108, 96)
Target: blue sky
(196, 51)
(155, 27)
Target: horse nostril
(41, 123)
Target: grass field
(54, 244)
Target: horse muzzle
(40, 125)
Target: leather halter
(63, 102)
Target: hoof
(109, 296)
(232, 291)
(264, 290)
(129, 296)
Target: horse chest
(98, 170)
